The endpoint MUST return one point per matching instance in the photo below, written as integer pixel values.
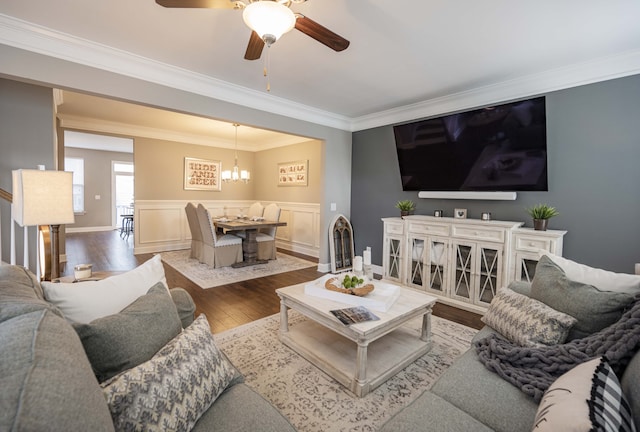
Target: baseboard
(89, 229)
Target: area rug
(206, 276)
(310, 399)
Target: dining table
(249, 242)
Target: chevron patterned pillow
(173, 389)
(526, 321)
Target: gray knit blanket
(533, 370)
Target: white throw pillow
(604, 280)
(83, 302)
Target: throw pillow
(173, 389)
(84, 302)
(602, 279)
(587, 398)
(121, 341)
(526, 321)
(594, 309)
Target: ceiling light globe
(269, 18)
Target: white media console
(462, 261)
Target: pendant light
(236, 174)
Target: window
(76, 166)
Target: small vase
(404, 213)
(540, 224)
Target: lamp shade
(269, 18)
(42, 197)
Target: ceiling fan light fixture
(269, 19)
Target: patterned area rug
(208, 277)
(313, 401)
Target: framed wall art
(293, 173)
(201, 174)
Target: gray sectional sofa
(47, 382)
(469, 397)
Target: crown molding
(600, 69)
(31, 37)
(24, 35)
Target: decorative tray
(380, 299)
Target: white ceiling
(403, 57)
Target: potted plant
(406, 207)
(541, 214)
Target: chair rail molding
(161, 225)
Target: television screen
(497, 148)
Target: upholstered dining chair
(217, 250)
(266, 237)
(196, 232)
(255, 210)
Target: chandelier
(237, 173)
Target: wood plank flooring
(226, 306)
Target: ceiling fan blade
(254, 47)
(320, 33)
(211, 4)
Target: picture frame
(202, 174)
(460, 213)
(294, 173)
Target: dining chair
(255, 210)
(218, 250)
(266, 237)
(196, 232)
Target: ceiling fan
(268, 20)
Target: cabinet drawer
(429, 228)
(533, 244)
(475, 232)
(394, 228)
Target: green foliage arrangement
(542, 211)
(406, 205)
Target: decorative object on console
(486, 216)
(341, 244)
(541, 214)
(44, 198)
(406, 207)
(438, 213)
(201, 174)
(460, 213)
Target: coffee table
(360, 356)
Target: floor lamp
(44, 198)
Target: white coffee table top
(409, 304)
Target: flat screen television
(497, 148)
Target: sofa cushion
(46, 380)
(594, 309)
(121, 341)
(485, 396)
(430, 409)
(631, 387)
(587, 398)
(84, 302)
(173, 389)
(184, 304)
(526, 321)
(229, 413)
(602, 279)
(20, 293)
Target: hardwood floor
(226, 306)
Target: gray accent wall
(593, 134)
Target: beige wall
(97, 181)
(266, 173)
(160, 172)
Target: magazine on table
(354, 315)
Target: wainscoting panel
(162, 225)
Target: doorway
(122, 175)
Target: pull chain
(266, 66)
